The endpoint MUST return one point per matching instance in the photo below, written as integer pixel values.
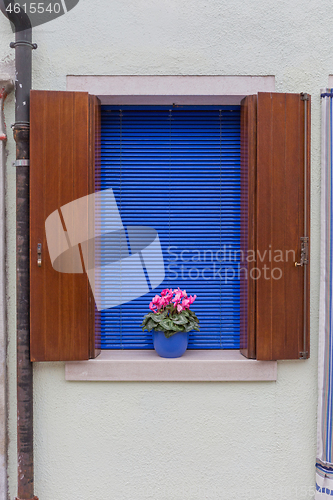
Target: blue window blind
(178, 170)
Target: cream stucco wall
(176, 440)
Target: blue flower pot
(172, 347)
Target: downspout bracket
(33, 46)
(21, 163)
(34, 498)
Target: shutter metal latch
(304, 260)
(39, 255)
(304, 354)
(304, 252)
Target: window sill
(193, 366)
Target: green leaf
(167, 324)
(144, 322)
(193, 316)
(147, 317)
(180, 320)
(169, 333)
(159, 317)
(192, 326)
(150, 325)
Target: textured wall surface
(176, 440)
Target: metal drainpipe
(6, 86)
(23, 69)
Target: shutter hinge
(303, 355)
(304, 96)
(304, 252)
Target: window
(274, 160)
(177, 170)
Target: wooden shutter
(275, 195)
(63, 136)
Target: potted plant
(170, 322)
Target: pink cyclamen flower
(179, 308)
(178, 297)
(156, 299)
(164, 302)
(152, 307)
(166, 299)
(186, 303)
(192, 299)
(165, 292)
